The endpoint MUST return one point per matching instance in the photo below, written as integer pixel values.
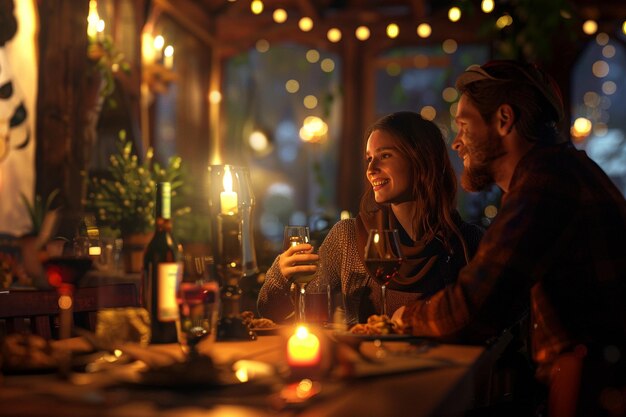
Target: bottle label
(169, 275)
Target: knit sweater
(341, 266)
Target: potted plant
(122, 199)
(34, 245)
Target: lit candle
(228, 198)
(158, 44)
(168, 57)
(303, 349)
(92, 21)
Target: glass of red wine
(198, 306)
(63, 273)
(383, 258)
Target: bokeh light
(362, 33)
(487, 6)
(449, 46)
(310, 102)
(393, 30)
(292, 86)
(602, 38)
(279, 15)
(262, 45)
(608, 51)
(454, 14)
(504, 21)
(609, 87)
(590, 27)
(428, 112)
(424, 30)
(449, 94)
(600, 69)
(581, 128)
(312, 56)
(305, 24)
(215, 96)
(333, 35)
(393, 69)
(256, 6)
(327, 65)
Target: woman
(413, 189)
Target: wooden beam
(190, 16)
(308, 9)
(418, 8)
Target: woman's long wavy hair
(434, 181)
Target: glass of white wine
(296, 235)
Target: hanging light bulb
(362, 33)
(393, 30)
(454, 14)
(424, 30)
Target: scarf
(419, 256)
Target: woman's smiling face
(388, 170)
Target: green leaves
(124, 199)
(37, 211)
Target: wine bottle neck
(163, 201)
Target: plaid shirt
(558, 247)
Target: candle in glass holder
(303, 349)
(228, 198)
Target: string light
(504, 21)
(333, 35)
(454, 14)
(279, 15)
(305, 24)
(424, 30)
(256, 6)
(600, 69)
(262, 45)
(292, 86)
(590, 27)
(449, 46)
(310, 102)
(327, 65)
(487, 6)
(362, 33)
(312, 56)
(215, 96)
(393, 30)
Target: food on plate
(256, 323)
(26, 351)
(378, 325)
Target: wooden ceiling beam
(190, 16)
(418, 8)
(308, 9)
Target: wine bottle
(162, 273)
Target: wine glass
(383, 258)
(63, 273)
(295, 235)
(198, 307)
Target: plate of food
(376, 328)
(261, 325)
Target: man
(557, 246)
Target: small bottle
(162, 273)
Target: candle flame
(228, 179)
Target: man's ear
(505, 119)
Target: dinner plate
(266, 331)
(372, 337)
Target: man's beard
(478, 175)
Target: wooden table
(444, 390)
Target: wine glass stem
(301, 297)
(383, 293)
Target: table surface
(438, 380)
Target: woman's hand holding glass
(298, 261)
